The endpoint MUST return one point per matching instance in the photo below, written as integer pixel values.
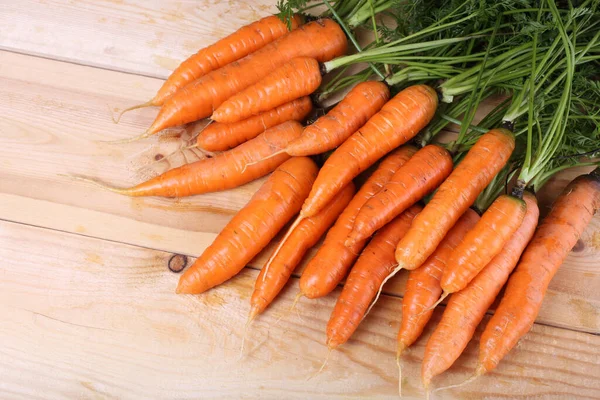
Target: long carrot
(239, 44)
(220, 137)
(551, 243)
(374, 264)
(425, 171)
(329, 266)
(271, 207)
(483, 161)
(466, 308)
(297, 78)
(398, 121)
(483, 242)
(423, 286)
(321, 40)
(271, 280)
(225, 171)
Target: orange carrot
(298, 77)
(399, 120)
(332, 129)
(374, 264)
(239, 44)
(423, 286)
(225, 171)
(220, 137)
(483, 242)
(271, 207)
(483, 161)
(425, 171)
(329, 266)
(322, 40)
(551, 243)
(466, 308)
(304, 236)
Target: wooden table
(87, 304)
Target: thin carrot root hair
(387, 278)
(466, 382)
(263, 159)
(149, 103)
(281, 243)
(246, 329)
(144, 135)
(437, 303)
(329, 350)
(399, 373)
(96, 183)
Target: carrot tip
(129, 140)
(149, 103)
(97, 184)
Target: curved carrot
(398, 121)
(225, 171)
(483, 242)
(220, 137)
(466, 308)
(423, 286)
(253, 227)
(374, 264)
(304, 236)
(483, 161)
(425, 171)
(551, 243)
(322, 40)
(332, 129)
(329, 266)
(297, 78)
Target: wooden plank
(86, 318)
(143, 37)
(52, 126)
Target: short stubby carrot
(297, 78)
(458, 192)
(496, 226)
(322, 40)
(467, 308)
(253, 227)
(219, 137)
(423, 286)
(551, 243)
(425, 171)
(239, 44)
(399, 120)
(329, 266)
(332, 129)
(225, 171)
(271, 280)
(374, 264)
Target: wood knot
(579, 246)
(159, 157)
(177, 263)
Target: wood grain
(51, 126)
(87, 318)
(143, 37)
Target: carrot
(297, 78)
(219, 137)
(271, 280)
(374, 264)
(321, 40)
(483, 161)
(483, 242)
(423, 286)
(398, 121)
(466, 308)
(225, 171)
(425, 171)
(551, 243)
(329, 266)
(332, 129)
(253, 227)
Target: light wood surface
(87, 300)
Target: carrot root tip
(97, 184)
(149, 103)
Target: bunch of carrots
(430, 207)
